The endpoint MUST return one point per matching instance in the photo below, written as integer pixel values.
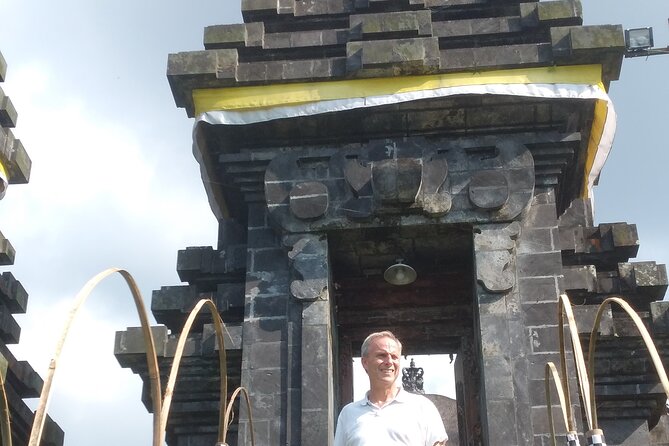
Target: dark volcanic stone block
(8, 115)
(10, 331)
(407, 56)
(12, 293)
(7, 252)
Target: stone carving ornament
(408, 182)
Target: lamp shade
(639, 39)
(399, 274)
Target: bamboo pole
(564, 307)
(648, 340)
(228, 414)
(151, 358)
(4, 416)
(171, 382)
(551, 371)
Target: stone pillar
(312, 290)
(267, 369)
(518, 272)
(288, 361)
(496, 319)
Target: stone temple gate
(463, 137)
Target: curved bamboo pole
(564, 307)
(169, 390)
(650, 345)
(4, 416)
(551, 371)
(228, 413)
(151, 358)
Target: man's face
(382, 362)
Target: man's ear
(364, 363)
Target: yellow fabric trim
(3, 172)
(596, 132)
(248, 98)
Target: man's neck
(381, 396)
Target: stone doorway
(433, 315)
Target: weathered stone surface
(580, 277)
(659, 312)
(648, 278)
(489, 189)
(8, 114)
(476, 27)
(193, 262)
(501, 57)
(3, 68)
(309, 200)
(7, 252)
(199, 68)
(392, 57)
(586, 43)
(396, 180)
(12, 293)
(14, 157)
(405, 23)
(495, 260)
(234, 36)
(560, 12)
(10, 331)
(386, 178)
(310, 265)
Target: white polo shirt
(409, 420)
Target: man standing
(388, 415)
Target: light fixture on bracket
(639, 39)
(639, 43)
(400, 274)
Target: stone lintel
(411, 182)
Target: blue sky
(114, 182)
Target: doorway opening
(431, 316)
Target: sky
(114, 182)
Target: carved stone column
(495, 261)
(311, 288)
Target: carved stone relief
(495, 256)
(413, 182)
(310, 267)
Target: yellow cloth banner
(263, 96)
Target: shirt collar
(401, 397)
